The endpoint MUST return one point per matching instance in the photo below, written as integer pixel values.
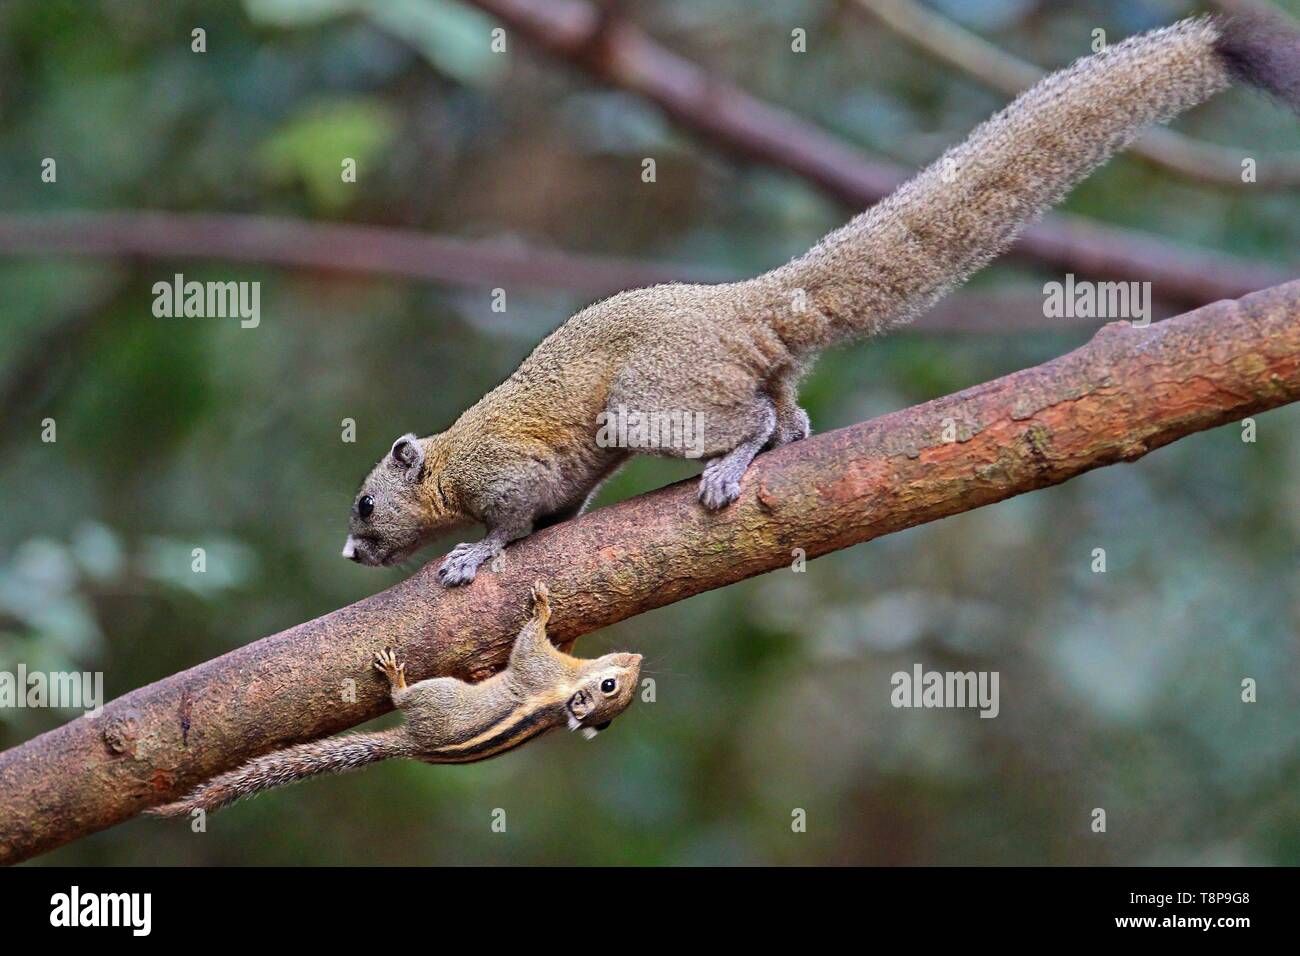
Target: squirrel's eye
(365, 507)
(607, 685)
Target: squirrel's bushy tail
(276, 769)
(894, 260)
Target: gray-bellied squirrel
(527, 454)
(450, 721)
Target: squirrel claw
(541, 600)
(386, 663)
(461, 565)
(718, 488)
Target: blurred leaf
(312, 146)
(226, 563)
(453, 37)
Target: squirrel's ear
(409, 454)
(580, 704)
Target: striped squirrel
(450, 721)
(528, 454)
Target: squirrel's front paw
(719, 485)
(387, 664)
(461, 565)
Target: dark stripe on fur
(499, 718)
(531, 724)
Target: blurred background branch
(375, 251)
(1197, 161)
(1261, 8)
(612, 49)
(332, 247)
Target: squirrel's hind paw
(720, 485)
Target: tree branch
(1123, 394)
(616, 52)
(333, 247)
(406, 254)
(1194, 160)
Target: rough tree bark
(1123, 394)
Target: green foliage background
(1119, 690)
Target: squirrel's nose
(350, 549)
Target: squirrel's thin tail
(334, 755)
(894, 260)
